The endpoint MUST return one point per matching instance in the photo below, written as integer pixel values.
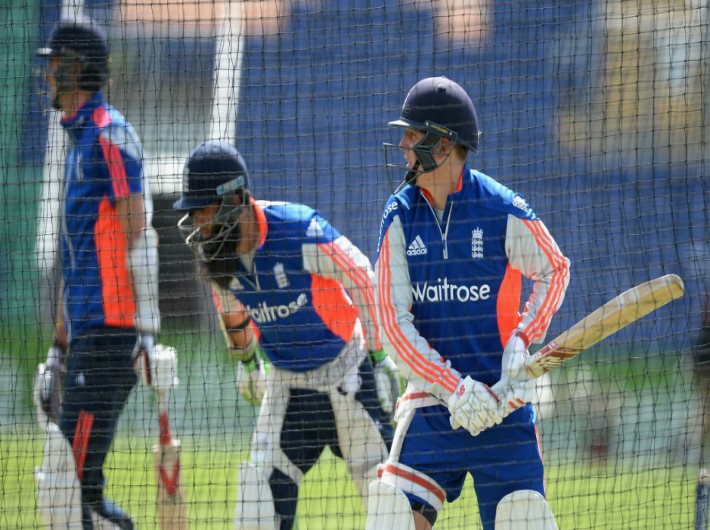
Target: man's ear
(444, 148)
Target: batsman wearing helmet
(454, 245)
(289, 287)
(108, 309)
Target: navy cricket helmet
(84, 41)
(213, 170)
(214, 173)
(438, 105)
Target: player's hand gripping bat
(613, 316)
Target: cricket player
(108, 305)
(286, 282)
(454, 245)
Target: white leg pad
(524, 510)
(362, 478)
(58, 489)
(255, 503)
(388, 508)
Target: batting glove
(386, 379)
(473, 406)
(47, 386)
(252, 375)
(515, 388)
(155, 365)
(515, 395)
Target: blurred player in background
(107, 302)
(453, 247)
(285, 282)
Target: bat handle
(163, 418)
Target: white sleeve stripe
(553, 298)
(351, 269)
(552, 295)
(428, 370)
(536, 329)
(359, 277)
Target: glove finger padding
(164, 369)
(41, 394)
(515, 356)
(155, 366)
(473, 406)
(514, 396)
(47, 386)
(515, 388)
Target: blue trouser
(98, 381)
(502, 459)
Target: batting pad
(524, 510)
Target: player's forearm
(416, 359)
(237, 327)
(131, 214)
(344, 262)
(143, 264)
(239, 336)
(417, 362)
(142, 261)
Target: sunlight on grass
(583, 495)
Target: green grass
(583, 495)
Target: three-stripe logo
(416, 247)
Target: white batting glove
(473, 406)
(514, 396)
(155, 365)
(55, 357)
(47, 386)
(515, 355)
(251, 379)
(515, 388)
(386, 379)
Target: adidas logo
(314, 229)
(235, 284)
(416, 247)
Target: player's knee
(524, 510)
(388, 508)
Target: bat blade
(613, 316)
(171, 508)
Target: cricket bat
(613, 316)
(171, 509)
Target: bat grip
(163, 419)
(165, 434)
